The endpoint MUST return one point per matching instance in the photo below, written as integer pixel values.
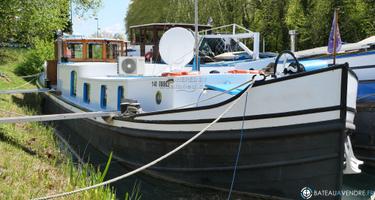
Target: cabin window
(86, 93)
(74, 50)
(103, 96)
(95, 51)
(120, 96)
(73, 83)
(112, 50)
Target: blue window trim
(103, 96)
(86, 91)
(73, 83)
(120, 95)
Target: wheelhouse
(91, 50)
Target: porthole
(158, 97)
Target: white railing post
(256, 46)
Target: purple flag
(334, 34)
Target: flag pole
(335, 36)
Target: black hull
(277, 162)
(364, 137)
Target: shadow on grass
(6, 138)
(31, 101)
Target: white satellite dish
(176, 47)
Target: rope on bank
(27, 83)
(2, 74)
(150, 163)
(31, 75)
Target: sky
(111, 19)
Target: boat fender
(242, 71)
(214, 72)
(183, 73)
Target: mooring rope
(150, 163)
(20, 86)
(2, 74)
(239, 150)
(31, 75)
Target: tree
(23, 21)
(296, 20)
(83, 6)
(355, 20)
(272, 18)
(319, 23)
(269, 21)
(27, 21)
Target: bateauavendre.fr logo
(307, 193)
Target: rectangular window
(74, 50)
(103, 96)
(95, 51)
(86, 93)
(112, 50)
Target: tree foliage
(34, 22)
(272, 18)
(30, 20)
(24, 21)
(83, 6)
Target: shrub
(42, 50)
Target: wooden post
(84, 50)
(52, 71)
(104, 51)
(65, 48)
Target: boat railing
(235, 32)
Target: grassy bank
(31, 162)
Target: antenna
(197, 68)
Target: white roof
(345, 48)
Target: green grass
(31, 162)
